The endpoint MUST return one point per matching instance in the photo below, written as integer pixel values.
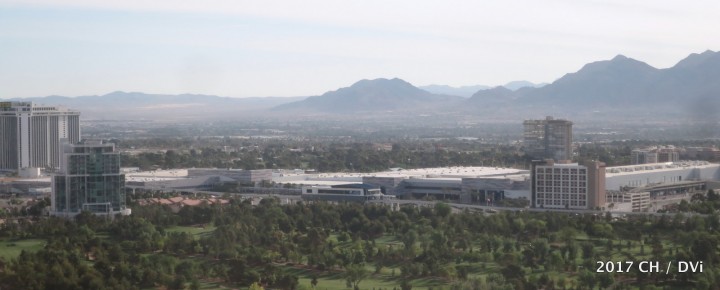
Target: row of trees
(335, 157)
(256, 244)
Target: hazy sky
(299, 48)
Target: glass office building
(90, 180)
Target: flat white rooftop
(449, 172)
(656, 167)
(170, 173)
(321, 182)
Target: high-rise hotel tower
(548, 139)
(30, 134)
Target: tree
(405, 285)
(587, 279)
(442, 209)
(355, 273)
(512, 272)
(256, 286)
(712, 196)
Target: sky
(240, 48)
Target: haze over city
(426, 145)
(286, 48)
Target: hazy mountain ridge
(468, 91)
(619, 87)
(463, 91)
(136, 105)
(625, 84)
(373, 96)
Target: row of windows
(562, 189)
(561, 183)
(43, 109)
(561, 177)
(561, 170)
(562, 202)
(561, 196)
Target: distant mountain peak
(695, 59)
(620, 57)
(619, 63)
(365, 82)
(371, 95)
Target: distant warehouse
(343, 193)
(633, 176)
(240, 175)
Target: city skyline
(276, 48)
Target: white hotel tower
(31, 134)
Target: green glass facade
(91, 180)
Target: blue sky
(299, 48)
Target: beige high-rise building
(596, 184)
(568, 185)
(548, 139)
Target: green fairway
(11, 248)
(198, 232)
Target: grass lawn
(198, 232)
(336, 280)
(11, 248)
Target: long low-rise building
(482, 185)
(465, 184)
(343, 193)
(239, 175)
(633, 176)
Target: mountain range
(468, 91)
(625, 81)
(141, 106)
(372, 96)
(620, 86)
